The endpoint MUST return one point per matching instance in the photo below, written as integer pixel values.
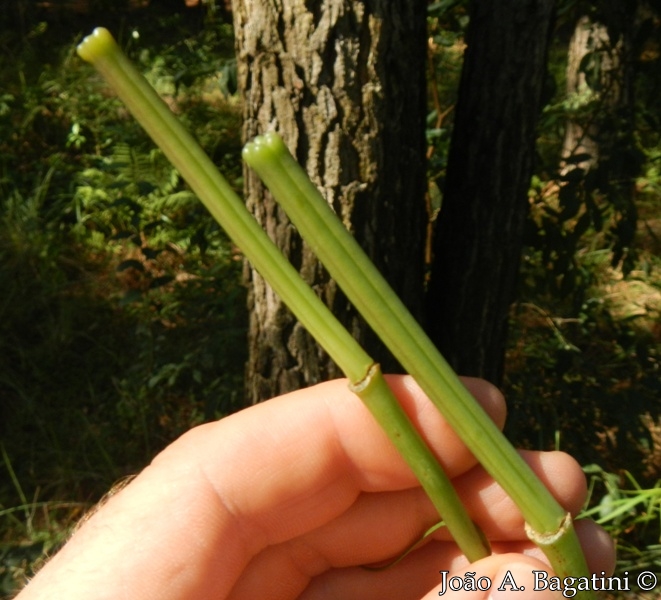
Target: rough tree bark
(479, 231)
(343, 82)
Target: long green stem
(372, 296)
(197, 169)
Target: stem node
(544, 539)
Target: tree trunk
(600, 86)
(594, 74)
(343, 83)
(478, 239)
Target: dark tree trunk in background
(478, 239)
(600, 75)
(343, 83)
(595, 68)
(580, 139)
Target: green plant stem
(366, 380)
(372, 296)
(379, 399)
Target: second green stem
(369, 292)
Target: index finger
(295, 462)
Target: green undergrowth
(583, 377)
(123, 319)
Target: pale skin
(292, 498)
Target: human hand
(292, 497)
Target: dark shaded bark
(478, 238)
(343, 83)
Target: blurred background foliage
(123, 316)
